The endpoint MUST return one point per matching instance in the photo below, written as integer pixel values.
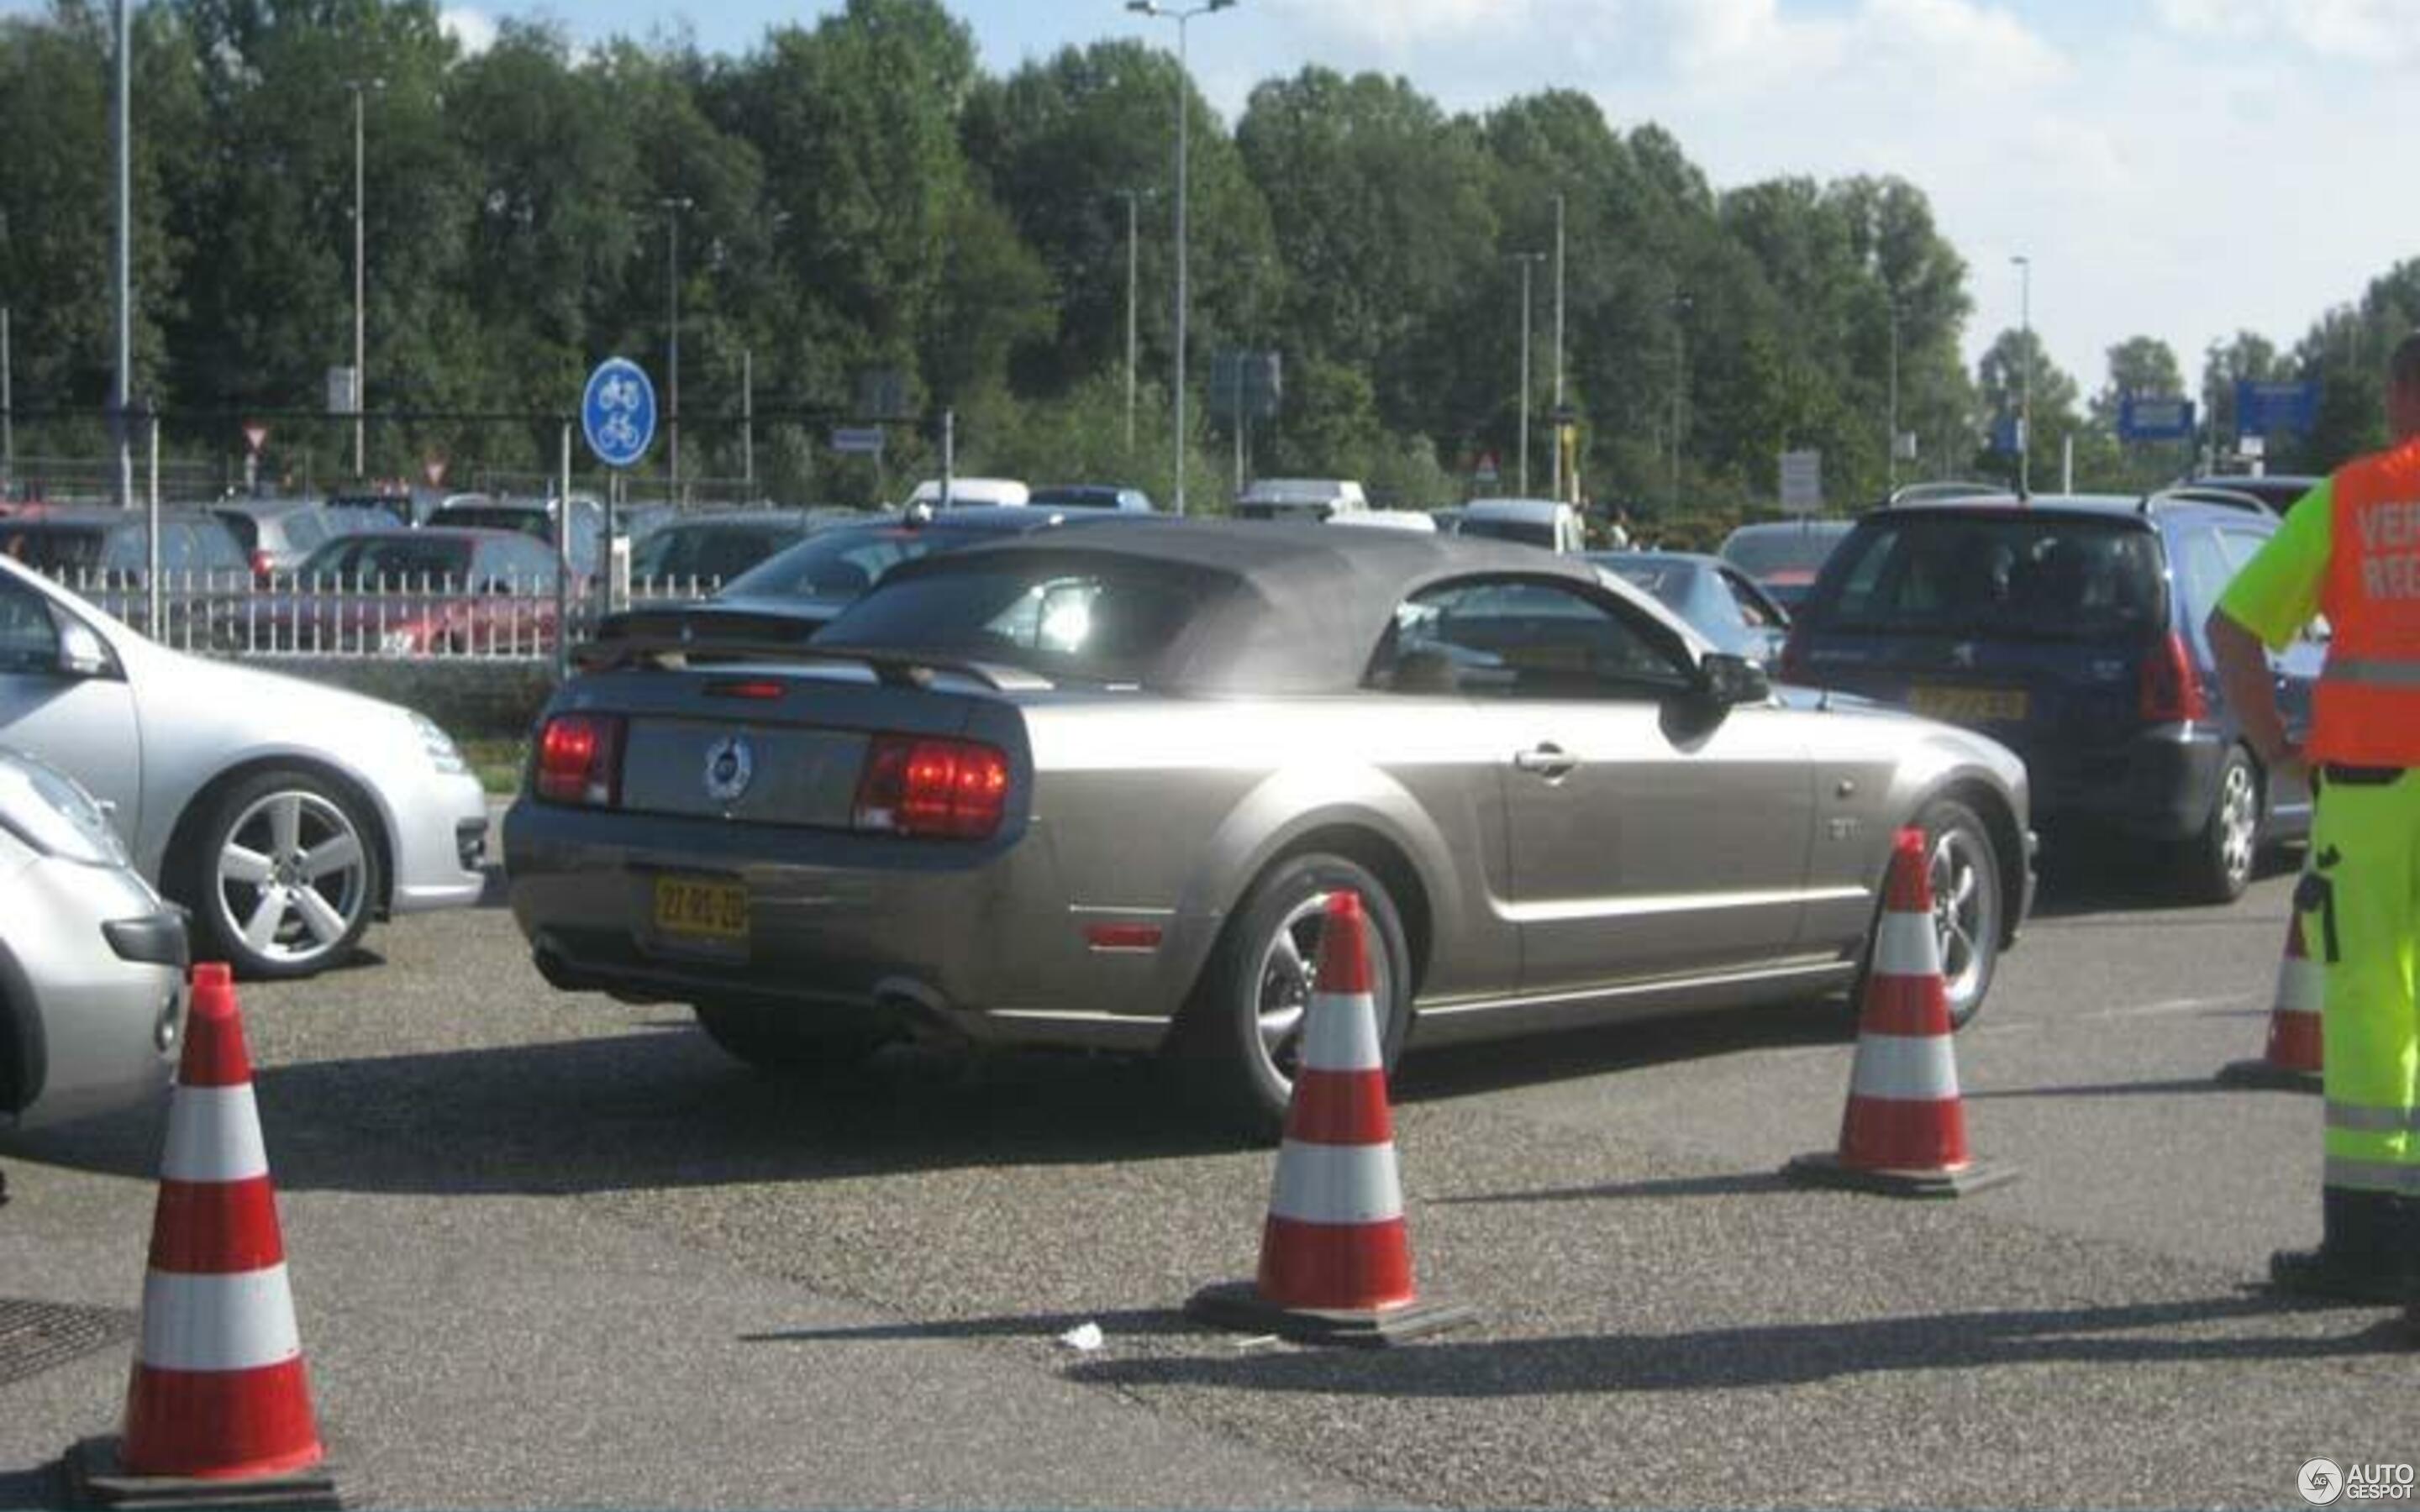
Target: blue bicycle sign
(618, 412)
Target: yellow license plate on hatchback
(701, 908)
(1968, 705)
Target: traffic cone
(218, 1411)
(1336, 1258)
(1904, 1133)
(2292, 1061)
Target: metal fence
(416, 615)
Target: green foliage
(855, 198)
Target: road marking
(2164, 1008)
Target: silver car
(92, 959)
(284, 814)
(1091, 789)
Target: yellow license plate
(1968, 704)
(701, 908)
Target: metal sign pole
(562, 568)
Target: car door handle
(1549, 760)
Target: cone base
(97, 1477)
(1238, 1305)
(2267, 1076)
(1825, 1168)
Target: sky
(2182, 169)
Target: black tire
(784, 1040)
(1235, 1043)
(269, 928)
(2217, 865)
(1969, 903)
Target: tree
(2000, 381)
(1380, 215)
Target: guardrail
(231, 614)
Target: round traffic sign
(618, 412)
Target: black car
(2070, 629)
(104, 554)
(709, 550)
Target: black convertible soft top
(1289, 608)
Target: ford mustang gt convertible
(1091, 789)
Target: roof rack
(2204, 494)
(1919, 493)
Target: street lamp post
(1132, 283)
(1559, 344)
(1527, 260)
(1891, 466)
(1181, 15)
(361, 376)
(673, 206)
(2025, 373)
(122, 384)
(1682, 305)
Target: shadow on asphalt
(661, 1108)
(2182, 1084)
(1745, 1183)
(1782, 1354)
(2107, 879)
(1161, 1321)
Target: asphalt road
(550, 1250)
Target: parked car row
(1074, 774)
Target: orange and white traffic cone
(2293, 1060)
(1904, 1132)
(218, 1411)
(1336, 1257)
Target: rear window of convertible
(1107, 620)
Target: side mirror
(82, 651)
(1731, 680)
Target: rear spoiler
(891, 668)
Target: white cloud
(2382, 32)
(474, 31)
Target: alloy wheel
(292, 876)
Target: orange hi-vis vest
(2366, 712)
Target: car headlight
(442, 753)
(52, 813)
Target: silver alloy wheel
(2238, 823)
(292, 876)
(1288, 973)
(1966, 916)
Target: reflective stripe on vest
(2373, 672)
(2365, 709)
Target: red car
(405, 592)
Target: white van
(1311, 499)
(1547, 523)
(964, 492)
(1388, 519)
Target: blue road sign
(2154, 417)
(2275, 408)
(618, 412)
(2008, 435)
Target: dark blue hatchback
(2070, 629)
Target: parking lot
(549, 1249)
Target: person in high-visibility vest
(2350, 549)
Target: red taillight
(2170, 692)
(938, 789)
(579, 759)
(262, 567)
